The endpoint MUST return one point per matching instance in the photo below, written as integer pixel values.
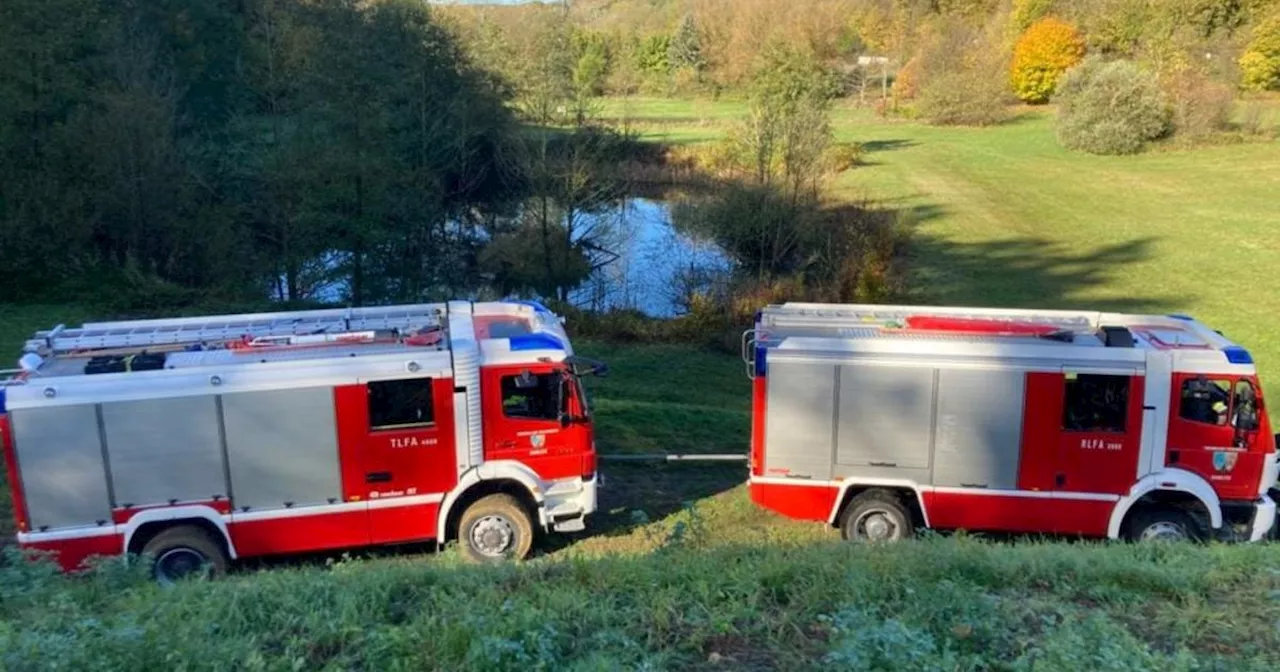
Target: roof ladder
(225, 328)
(837, 316)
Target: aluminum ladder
(828, 316)
(223, 328)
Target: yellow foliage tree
(1047, 49)
(1260, 63)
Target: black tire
(495, 528)
(184, 551)
(875, 516)
(1162, 524)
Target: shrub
(906, 84)
(1200, 106)
(1044, 52)
(969, 97)
(844, 156)
(958, 77)
(1260, 63)
(1110, 108)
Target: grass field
(681, 571)
(1007, 218)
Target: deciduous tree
(1047, 49)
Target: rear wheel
(875, 516)
(495, 528)
(184, 552)
(1162, 524)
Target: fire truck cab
(882, 419)
(197, 441)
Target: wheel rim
(877, 525)
(1164, 531)
(176, 564)
(493, 536)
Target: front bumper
(568, 502)
(1249, 521)
(1264, 519)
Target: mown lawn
(936, 604)
(1007, 218)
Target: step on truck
(880, 420)
(198, 441)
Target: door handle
(377, 477)
(506, 444)
(1173, 457)
(1059, 480)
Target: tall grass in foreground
(938, 603)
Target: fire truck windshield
(1221, 402)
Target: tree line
(713, 46)
(164, 151)
(1197, 65)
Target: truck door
(532, 414)
(1101, 433)
(1216, 431)
(405, 458)
(1081, 439)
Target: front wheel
(1166, 525)
(184, 552)
(495, 528)
(875, 516)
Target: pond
(656, 265)
(645, 263)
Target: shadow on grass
(873, 146)
(635, 494)
(656, 120)
(1026, 272)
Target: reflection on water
(646, 264)
(655, 266)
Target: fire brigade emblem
(538, 440)
(1225, 461)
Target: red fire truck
(880, 419)
(197, 441)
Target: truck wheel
(1161, 524)
(875, 516)
(184, 552)
(495, 528)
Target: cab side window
(1245, 415)
(531, 397)
(1096, 403)
(1205, 401)
(395, 404)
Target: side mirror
(565, 420)
(583, 366)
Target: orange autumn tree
(1047, 49)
